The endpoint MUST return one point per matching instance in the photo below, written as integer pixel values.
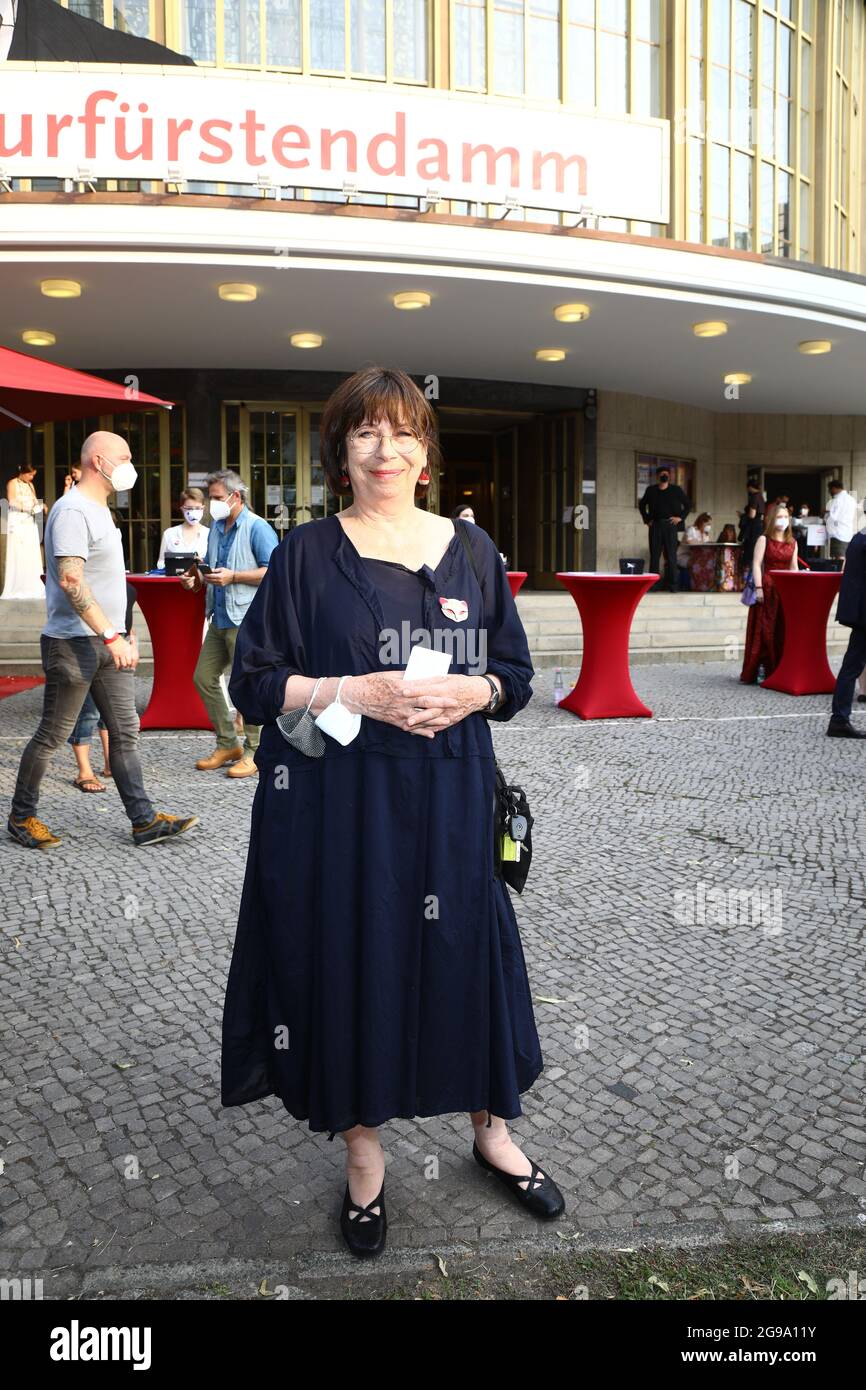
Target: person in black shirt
(664, 507)
(751, 522)
(850, 612)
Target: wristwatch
(109, 635)
(495, 698)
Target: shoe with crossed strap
(541, 1196)
(364, 1237)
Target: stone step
(667, 627)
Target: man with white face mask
(85, 648)
(240, 544)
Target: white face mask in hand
(338, 721)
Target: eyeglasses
(367, 440)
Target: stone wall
(725, 444)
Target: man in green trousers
(240, 544)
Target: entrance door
(807, 488)
(275, 447)
(559, 545)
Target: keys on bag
(517, 828)
(509, 849)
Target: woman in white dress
(190, 535)
(23, 578)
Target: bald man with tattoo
(85, 648)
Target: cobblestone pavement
(694, 930)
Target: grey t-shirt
(78, 526)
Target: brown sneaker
(31, 833)
(218, 758)
(245, 768)
(162, 827)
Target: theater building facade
(599, 234)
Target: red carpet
(11, 685)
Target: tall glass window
(132, 17)
(612, 64)
(410, 40)
(542, 49)
(646, 92)
(327, 35)
(283, 34)
(375, 39)
(581, 53)
(754, 84)
(841, 240)
(198, 30)
(508, 50)
(90, 9)
(597, 54)
(368, 38)
(241, 32)
(469, 20)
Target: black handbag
(512, 818)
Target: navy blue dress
(377, 970)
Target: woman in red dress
(765, 633)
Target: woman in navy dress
(377, 971)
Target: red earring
(424, 476)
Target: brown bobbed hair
(701, 521)
(770, 520)
(192, 494)
(373, 394)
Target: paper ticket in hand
(426, 661)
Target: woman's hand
(469, 694)
(419, 706)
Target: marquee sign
(108, 121)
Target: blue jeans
(74, 668)
(88, 720)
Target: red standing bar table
(806, 597)
(516, 580)
(175, 620)
(606, 603)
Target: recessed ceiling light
(713, 328)
(550, 354)
(61, 289)
(813, 347)
(238, 294)
(306, 340)
(411, 299)
(738, 379)
(38, 337)
(572, 313)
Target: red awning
(33, 391)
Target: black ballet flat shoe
(542, 1196)
(364, 1238)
